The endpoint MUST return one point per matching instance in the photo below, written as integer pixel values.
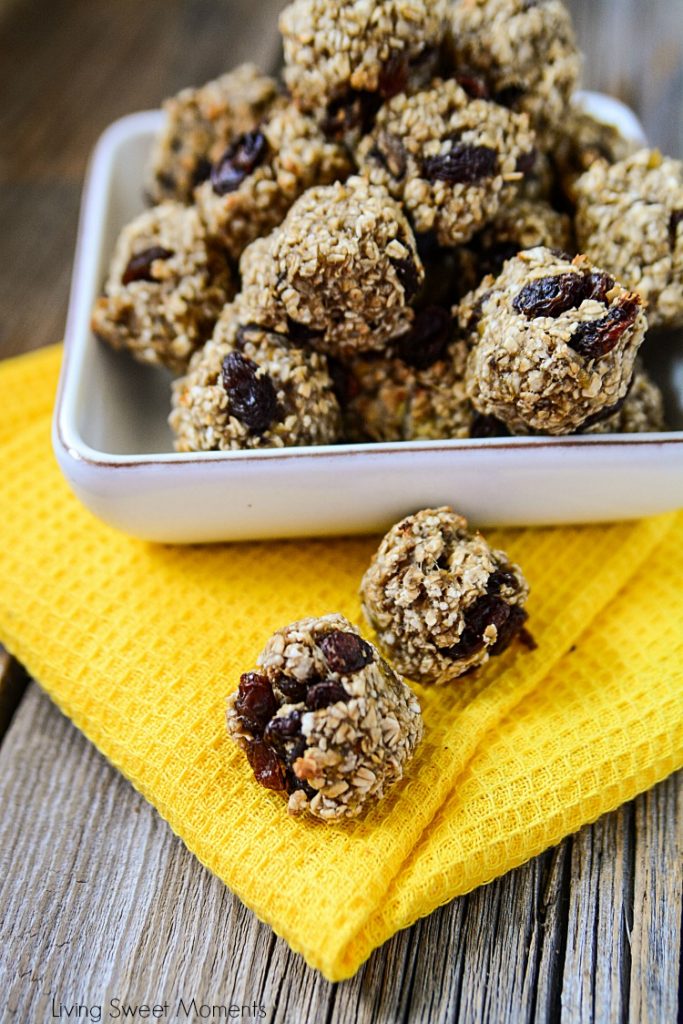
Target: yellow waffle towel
(140, 644)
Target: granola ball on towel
(339, 273)
(555, 342)
(450, 159)
(630, 220)
(258, 177)
(324, 720)
(252, 388)
(440, 599)
(167, 284)
(525, 50)
(641, 413)
(416, 391)
(200, 124)
(344, 57)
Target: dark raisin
(323, 694)
(292, 689)
(526, 163)
(240, 159)
(598, 285)
(253, 399)
(477, 310)
(345, 652)
(474, 85)
(509, 96)
(283, 734)
(463, 163)
(428, 339)
(485, 611)
(675, 219)
(390, 152)
(139, 266)
(292, 783)
(550, 296)
(393, 77)
(487, 426)
(201, 172)
(509, 629)
(595, 340)
(255, 703)
(266, 766)
(501, 578)
(407, 274)
(303, 334)
(350, 111)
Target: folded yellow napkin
(139, 644)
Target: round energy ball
(440, 599)
(324, 720)
(450, 159)
(554, 343)
(343, 58)
(200, 124)
(167, 284)
(251, 388)
(414, 392)
(630, 220)
(340, 271)
(255, 181)
(526, 53)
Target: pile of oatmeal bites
(417, 234)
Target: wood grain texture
(100, 900)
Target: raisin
(407, 274)
(487, 426)
(550, 296)
(509, 96)
(201, 172)
(240, 159)
(478, 309)
(292, 689)
(323, 694)
(292, 783)
(393, 78)
(485, 611)
(598, 286)
(139, 266)
(255, 703)
(266, 766)
(462, 164)
(594, 340)
(675, 219)
(345, 652)
(350, 111)
(526, 163)
(390, 152)
(428, 339)
(283, 734)
(474, 85)
(509, 629)
(253, 399)
(501, 578)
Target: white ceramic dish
(115, 448)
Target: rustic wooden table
(98, 898)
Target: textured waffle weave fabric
(139, 644)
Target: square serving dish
(115, 448)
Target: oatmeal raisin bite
(343, 57)
(450, 159)
(340, 271)
(415, 391)
(200, 124)
(525, 50)
(440, 599)
(252, 388)
(554, 343)
(167, 284)
(258, 177)
(630, 220)
(323, 720)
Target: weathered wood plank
(100, 900)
